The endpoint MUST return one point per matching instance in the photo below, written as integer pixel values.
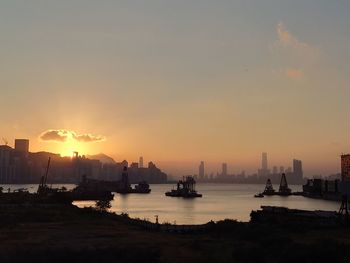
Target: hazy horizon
(179, 82)
(190, 167)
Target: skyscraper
(22, 145)
(297, 171)
(264, 162)
(141, 162)
(224, 169)
(201, 171)
(264, 171)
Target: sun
(68, 148)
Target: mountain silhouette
(103, 158)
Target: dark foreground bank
(64, 233)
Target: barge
(185, 188)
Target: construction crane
(42, 186)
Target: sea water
(219, 201)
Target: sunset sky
(179, 81)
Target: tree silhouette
(103, 205)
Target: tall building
(7, 168)
(264, 161)
(21, 161)
(264, 171)
(141, 162)
(22, 145)
(201, 170)
(224, 169)
(345, 167)
(297, 171)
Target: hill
(103, 158)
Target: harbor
(219, 201)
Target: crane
(43, 186)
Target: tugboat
(185, 188)
(260, 195)
(142, 188)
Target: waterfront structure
(345, 167)
(322, 189)
(345, 175)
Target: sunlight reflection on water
(219, 201)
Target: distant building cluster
(294, 175)
(18, 165)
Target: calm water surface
(219, 201)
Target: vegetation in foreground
(70, 234)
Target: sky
(179, 81)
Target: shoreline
(66, 233)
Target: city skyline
(205, 168)
(19, 165)
(132, 78)
(204, 173)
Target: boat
(267, 191)
(95, 188)
(284, 190)
(323, 189)
(142, 188)
(124, 186)
(185, 188)
(269, 188)
(44, 194)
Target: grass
(70, 234)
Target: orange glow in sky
(179, 82)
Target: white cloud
(293, 57)
(286, 39)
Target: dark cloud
(63, 135)
(88, 138)
(54, 135)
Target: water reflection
(219, 201)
